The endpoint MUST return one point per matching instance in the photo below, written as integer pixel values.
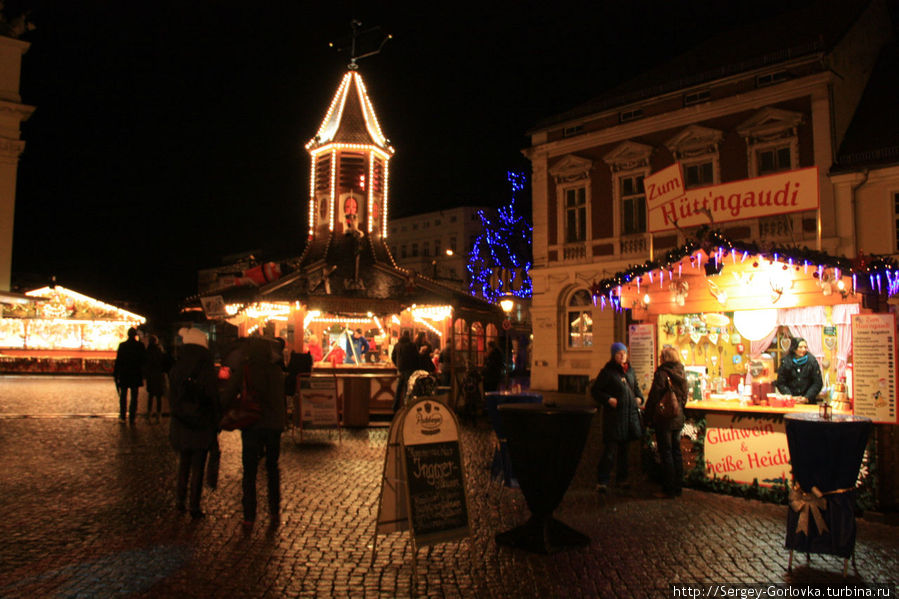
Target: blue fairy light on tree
(501, 258)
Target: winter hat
(617, 347)
(193, 336)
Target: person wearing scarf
(799, 373)
(615, 389)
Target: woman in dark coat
(193, 437)
(616, 390)
(799, 373)
(668, 432)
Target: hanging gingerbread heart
(830, 342)
(736, 339)
(713, 338)
(740, 348)
(725, 337)
(695, 336)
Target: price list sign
(642, 354)
(874, 366)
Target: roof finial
(377, 38)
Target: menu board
(642, 354)
(318, 401)
(874, 366)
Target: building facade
(437, 244)
(12, 114)
(726, 112)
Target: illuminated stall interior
(61, 330)
(731, 310)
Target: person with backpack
(254, 368)
(616, 390)
(194, 425)
(666, 415)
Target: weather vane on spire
(372, 37)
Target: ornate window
(633, 204)
(629, 162)
(696, 148)
(572, 177)
(579, 319)
(575, 214)
(772, 140)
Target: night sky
(170, 134)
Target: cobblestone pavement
(87, 510)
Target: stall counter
(366, 390)
(713, 405)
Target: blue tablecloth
(826, 455)
(502, 465)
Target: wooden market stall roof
(712, 274)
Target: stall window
(478, 343)
(579, 317)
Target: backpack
(193, 408)
(669, 406)
(245, 410)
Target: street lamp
(507, 304)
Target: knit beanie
(617, 347)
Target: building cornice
(690, 115)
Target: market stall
(346, 278)
(61, 331)
(732, 310)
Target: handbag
(669, 406)
(245, 410)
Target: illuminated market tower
(350, 167)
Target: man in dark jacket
(405, 358)
(256, 360)
(128, 373)
(616, 390)
(194, 426)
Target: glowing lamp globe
(507, 304)
(755, 324)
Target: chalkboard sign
(437, 502)
(423, 481)
(433, 474)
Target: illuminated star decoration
(501, 260)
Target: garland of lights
(870, 274)
(504, 244)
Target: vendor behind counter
(799, 372)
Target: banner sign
(874, 366)
(744, 448)
(664, 186)
(780, 193)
